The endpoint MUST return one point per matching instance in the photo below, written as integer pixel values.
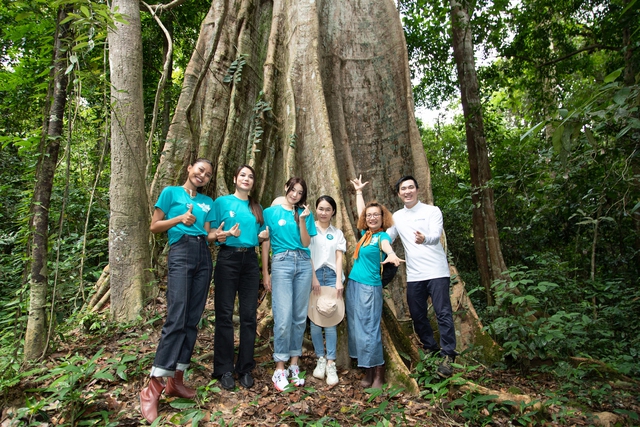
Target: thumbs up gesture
(188, 218)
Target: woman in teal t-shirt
(185, 214)
(291, 226)
(237, 273)
(364, 289)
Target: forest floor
(93, 378)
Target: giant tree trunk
(325, 94)
(485, 229)
(129, 257)
(36, 333)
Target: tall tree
(129, 257)
(314, 89)
(485, 229)
(35, 335)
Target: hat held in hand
(326, 309)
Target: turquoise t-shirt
(232, 210)
(175, 201)
(283, 230)
(366, 268)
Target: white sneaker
(294, 376)
(320, 368)
(332, 375)
(279, 379)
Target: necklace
(188, 190)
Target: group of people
(305, 280)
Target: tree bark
(36, 332)
(486, 237)
(129, 257)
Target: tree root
(103, 286)
(503, 397)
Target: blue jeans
(364, 313)
(236, 273)
(188, 281)
(438, 290)
(327, 277)
(291, 274)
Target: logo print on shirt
(232, 214)
(205, 207)
(374, 240)
(282, 222)
(329, 236)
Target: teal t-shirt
(366, 268)
(232, 210)
(175, 201)
(283, 230)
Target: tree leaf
(534, 130)
(611, 77)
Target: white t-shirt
(428, 260)
(324, 245)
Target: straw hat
(326, 309)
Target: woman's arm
(266, 278)
(315, 283)
(159, 224)
(339, 286)
(391, 255)
(304, 233)
(359, 185)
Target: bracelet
(391, 253)
(358, 192)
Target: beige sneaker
(332, 375)
(320, 368)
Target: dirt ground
(114, 401)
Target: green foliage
(536, 318)
(584, 386)
(259, 109)
(234, 73)
(429, 47)
(69, 393)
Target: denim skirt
(364, 313)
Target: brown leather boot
(149, 398)
(368, 378)
(378, 376)
(176, 387)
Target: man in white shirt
(420, 226)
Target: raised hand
(220, 235)
(264, 235)
(306, 212)
(358, 185)
(235, 230)
(188, 218)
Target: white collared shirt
(324, 245)
(428, 260)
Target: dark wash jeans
(235, 273)
(188, 281)
(438, 290)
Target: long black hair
(255, 207)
